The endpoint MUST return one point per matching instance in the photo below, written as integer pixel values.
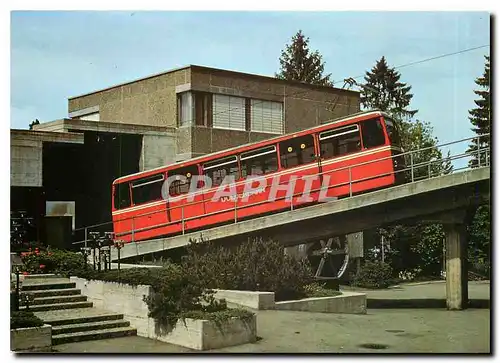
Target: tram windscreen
(393, 132)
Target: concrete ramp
(433, 200)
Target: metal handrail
(350, 181)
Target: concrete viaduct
(448, 199)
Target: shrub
(175, 291)
(374, 275)
(257, 265)
(24, 319)
(319, 290)
(57, 261)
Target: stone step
(95, 325)
(93, 335)
(40, 276)
(58, 299)
(48, 286)
(55, 292)
(77, 316)
(59, 306)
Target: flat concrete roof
(47, 136)
(102, 126)
(210, 69)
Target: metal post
(86, 236)
(411, 166)
(235, 207)
(350, 182)
(133, 229)
(16, 307)
(182, 218)
(429, 169)
(478, 152)
(383, 253)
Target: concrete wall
(26, 155)
(25, 163)
(157, 150)
(31, 339)
(150, 101)
(153, 101)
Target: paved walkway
(399, 330)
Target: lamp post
(93, 244)
(119, 245)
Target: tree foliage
(480, 116)
(383, 90)
(299, 63)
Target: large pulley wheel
(328, 258)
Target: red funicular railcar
(342, 157)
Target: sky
(56, 55)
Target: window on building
(259, 162)
(185, 108)
(266, 116)
(228, 112)
(122, 196)
(147, 189)
(340, 141)
(181, 186)
(373, 133)
(297, 151)
(203, 108)
(218, 169)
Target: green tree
(414, 248)
(480, 117)
(480, 240)
(299, 63)
(383, 90)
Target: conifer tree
(480, 117)
(383, 90)
(299, 63)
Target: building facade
(214, 109)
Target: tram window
(297, 151)
(181, 185)
(373, 134)
(147, 189)
(340, 141)
(219, 169)
(122, 196)
(259, 162)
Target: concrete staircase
(58, 303)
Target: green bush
(257, 265)
(24, 319)
(60, 262)
(373, 275)
(175, 291)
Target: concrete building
(161, 119)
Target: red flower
(25, 273)
(42, 266)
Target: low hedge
(24, 319)
(255, 265)
(176, 292)
(373, 275)
(59, 262)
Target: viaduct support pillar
(457, 296)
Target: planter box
(347, 303)
(31, 339)
(205, 334)
(195, 334)
(259, 300)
